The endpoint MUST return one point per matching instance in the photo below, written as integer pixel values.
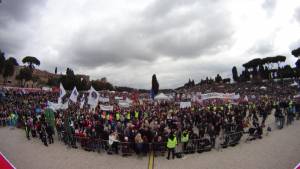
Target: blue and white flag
(62, 93)
(74, 95)
(93, 97)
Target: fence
(201, 145)
(158, 148)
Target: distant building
(43, 77)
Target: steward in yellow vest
(184, 139)
(185, 136)
(136, 114)
(171, 145)
(118, 116)
(128, 116)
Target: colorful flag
(93, 97)
(74, 95)
(62, 93)
(82, 101)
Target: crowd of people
(153, 125)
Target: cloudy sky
(129, 40)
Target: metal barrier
(159, 148)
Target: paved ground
(279, 150)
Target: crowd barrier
(229, 139)
(159, 148)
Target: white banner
(57, 106)
(125, 103)
(232, 96)
(185, 105)
(106, 108)
(118, 98)
(103, 99)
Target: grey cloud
(18, 10)
(262, 47)
(200, 30)
(269, 6)
(159, 9)
(14, 17)
(89, 50)
(294, 45)
(297, 14)
(9, 43)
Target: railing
(159, 148)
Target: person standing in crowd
(113, 143)
(171, 145)
(50, 132)
(147, 123)
(139, 143)
(43, 134)
(290, 113)
(184, 140)
(27, 127)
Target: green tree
(2, 61)
(279, 59)
(53, 81)
(9, 68)
(35, 79)
(99, 85)
(296, 52)
(235, 75)
(155, 85)
(287, 72)
(218, 78)
(68, 80)
(298, 64)
(31, 61)
(24, 75)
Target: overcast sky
(129, 40)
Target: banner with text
(215, 95)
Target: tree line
(8, 67)
(70, 80)
(26, 73)
(268, 68)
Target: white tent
(161, 96)
(297, 96)
(263, 88)
(294, 84)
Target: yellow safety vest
(145, 114)
(136, 114)
(172, 143)
(290, 104)
(107, 117)
(117, 116)
(186, 138)
(128, 116)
